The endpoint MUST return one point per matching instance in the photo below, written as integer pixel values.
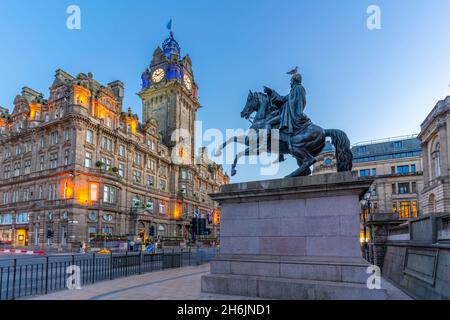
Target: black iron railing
(21, 277)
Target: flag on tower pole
(169, 25)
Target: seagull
(293, 71)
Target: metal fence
(21, 277)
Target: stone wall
(423, 272)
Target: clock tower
(170, 96)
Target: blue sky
(371, 84)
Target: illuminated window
(93, 192)
(405, 210)
(414, 209)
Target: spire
(170, 45)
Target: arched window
(432, 203)
(436, 157)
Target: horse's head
(251, 105)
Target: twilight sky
(371, 84)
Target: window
(414, 209)
(162, 208)
(405, 210)
(121, 170)
(53, 160)
(52, 191)
(5, 197)
(22, 218)
(398, 144)
(137, 176)
(162, 185)
(151, 165)
(150, 204)
(392, 170)
(108, 121)
(27, 166)
(18, 149)
(41, 191)
(413, 187)
(109, 194)
(107, 230)
(93, 192)
(106, 164)
(183, 174)
(402, 169)
(413, 168)
(107, 144)
(374, 172)
(364, 173)
(136, 202)
(150, 181)
(6, 218)
(92, 231)
(89, 136)
(403, 188)
(41, 163)
(137, 158)
(394, 188)
(67, 133)
(16, 169)
(6, 171)
(66, 157)
(122, 150)
(108, 217)
(88, 160)
(363, 149)
(54, 137)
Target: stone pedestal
(294, 238)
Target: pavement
(170, 284)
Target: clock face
(187, 82)
(158, 75)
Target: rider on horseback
(291, 119)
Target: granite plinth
(298, 236)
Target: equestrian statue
(297, 134)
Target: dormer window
(108, 121)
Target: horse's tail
(344, 154)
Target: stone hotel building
(74, 166)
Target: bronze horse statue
(304, 145)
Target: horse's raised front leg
(253, 149)
(237, 139)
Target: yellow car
(104, 251)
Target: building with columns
(435, 139)
(76, 167)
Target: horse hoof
(233, 172)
